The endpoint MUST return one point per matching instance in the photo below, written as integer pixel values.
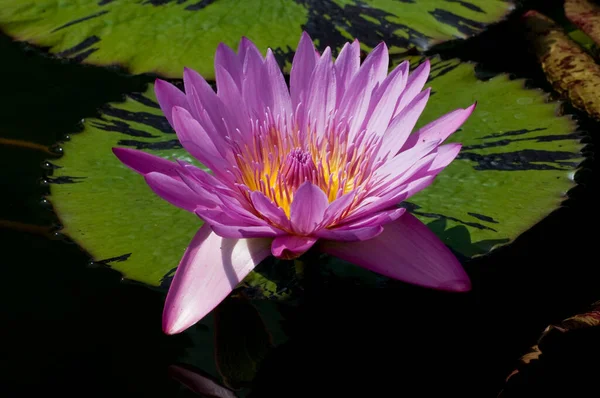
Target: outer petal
(303, 64)
(320, 97)
(197, 382)
(441, 128)
(290, 246)
(307, 208)
(282, 104)
(445, 154)
(350, 235)
(230, 61)
(173, 191)
(400, 127)
(406, 250)
(209, 270)
(145, 163)
(346, 65)
(169, 96)
(414, 85)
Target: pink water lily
(324, 163)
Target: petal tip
(457, 286)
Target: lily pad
(163, 36)
(516, 165)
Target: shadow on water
(79, 330)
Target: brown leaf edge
(572, 72)
(588, 319)
(586, 15)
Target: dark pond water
(70, 329)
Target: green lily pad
(516, 166)
(163, 36)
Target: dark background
(72, 329)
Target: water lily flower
(324, 163)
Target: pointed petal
(145, 163)
(282, 103)
(303, 64)
(196, 141)
(229, 60)
(414, 85)
(231, 225)
(349, 235)
(320, 97)
(401, 126)
(256, 86)
(379, 61)
(406, 250)
(337, 208)
(173, 191)
(445, 154)
(307, 208)
(289, 247)
(210, 269)
(443, 127)
(169, 96)
(346, 65)
(268, 209)
(384, 100)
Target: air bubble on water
(524, 100)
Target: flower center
(298, 168)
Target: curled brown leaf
(572, 72)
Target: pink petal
(268, 209)
(235, 111)
(346, 65)
(196, 141)
(378, 60)
(384, 100)
(349, 235)
(282, 103)
(406, 250)
(256, 86)
(337, 208)
(289, 247)
(169, 96)
(173, 191)
(199, 383)
(226, 58)
(230, 225)
(303, 64)
(210, 269)
(414, 85)
(405, 159)
(204, 106)
(307, 208)
(145, 163)
(441, 128)
(445, 154)
(375, 219)
(399, 129)
(320, 97)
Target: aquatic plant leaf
(572, 72)
(163, 36)
(516, 166)
(565, 355)
(241, 341)
(586, 15)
